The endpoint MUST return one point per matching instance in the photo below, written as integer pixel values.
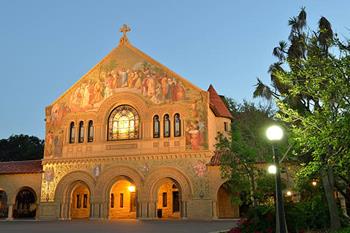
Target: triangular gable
(127, 68)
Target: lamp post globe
(274, 133)
(272, 169)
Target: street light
(275, 133)
(272, 169)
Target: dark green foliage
(311, 87)
(308, 215)
(21, 147)
(300, 217)
(243, 151)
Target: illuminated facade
(132, 139)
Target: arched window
(123, 123)
(156, 126)
(81, 132)
(177, 125)
(71, 133)
(166, 126)
(91, 131)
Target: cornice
(144, 157)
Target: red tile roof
(20, 167)
(217, 105)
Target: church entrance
(225, 207)
(168, 200)
(80, 202)
(3, 204)
(122, 200)
(25, 206)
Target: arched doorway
(80, 202)
(225, 208)
(123, 199)
(3, 204)
(168, 199)
(25, 205)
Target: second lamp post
(275, 133)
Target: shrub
(302, 216)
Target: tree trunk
(328, 185)
(252, 188)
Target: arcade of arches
(25, 206)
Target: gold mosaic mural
(127, 69)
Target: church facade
(130, 139)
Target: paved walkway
(118, 226)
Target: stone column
(103, 211)
(68, 210)
(10, 213)
(215, 214)
(37, 212)
(183, 209)
(152, 209)
(91, 215)
(143, 210)
(64, 211)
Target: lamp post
(274, 134)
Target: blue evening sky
(46, 46)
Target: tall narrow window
(226, 126)
(121, 200)
(91, 131)
(71, 133)
(81, 132)
(165, 199)
(85, 201)
(166, 126)
(156, 127)
(177, 125)
(112, 200)
(78, 201)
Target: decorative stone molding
(154, 180)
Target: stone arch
(109, 177)
(4, 201)
(67, 185)
(224, 207)
(68, 181)
(80, 200)
(12, 199)
(26, 203)
(106, 180)
(119, 98)
(216, 187)
(155, 180)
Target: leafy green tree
(246, 148)
(311, 87)
(21, 147)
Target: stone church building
(130, 139)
